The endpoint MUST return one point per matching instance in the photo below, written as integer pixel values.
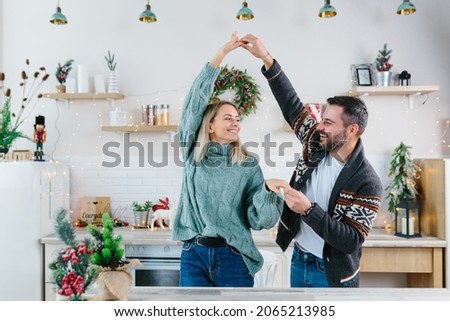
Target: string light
(79, 126)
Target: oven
(160, 264)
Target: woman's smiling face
(225, 127)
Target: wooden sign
(93, 207)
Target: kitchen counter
(265, 238)
(301, 294)
(421, 259)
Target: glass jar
(166, 115)
(148, 115)
(159, 115)
(117, 117)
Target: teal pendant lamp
(327, 11)
(245, 13)
(58, 18)
(406, 8)
(147, 15)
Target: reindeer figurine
(163, 214)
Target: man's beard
(335, 142)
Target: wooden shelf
(78, 96)
(140, 128)
(392, 90)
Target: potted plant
(62, 71)
(113, 86)
(141, 212)
(403, 172)
(113, 279)
(9, 120)
(384, 66)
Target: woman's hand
(277, 185)
(232, 44)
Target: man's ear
(354, 129)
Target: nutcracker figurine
(40, 136)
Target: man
(334, 194)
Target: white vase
(384, 78)
(71, 85)
(83, 79)
(113, 85)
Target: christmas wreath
(247, 92)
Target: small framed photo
(363, 75)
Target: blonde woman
(223, 193)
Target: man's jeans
(213, 266)
(307, 270)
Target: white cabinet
(50, 254)
(30, 194)
(281, 275)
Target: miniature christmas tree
(382, 60)
(71, 270)
(404, 172)
(113, 280)
(107, 251)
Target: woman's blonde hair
(238, 153)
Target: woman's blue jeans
(213, 266)
(307, 270)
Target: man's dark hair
(355, 111)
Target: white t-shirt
(318, 190)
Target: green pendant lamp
(406, 8)
(58, 18)
(245, 13)
(147, 15)
(327, 11)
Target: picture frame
(363, 75)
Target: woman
(223, 194)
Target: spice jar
(148, 115)
(166, 115)
(159, 115)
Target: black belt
(210, 241)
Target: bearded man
(334, 194)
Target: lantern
(407, 219)
(404, 78)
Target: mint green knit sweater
(219, 198)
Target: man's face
(333, 132)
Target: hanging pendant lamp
(147, 15)
(58, 18)
(327, 11)
(245, 13)
(406, 8)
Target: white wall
(157, 63)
